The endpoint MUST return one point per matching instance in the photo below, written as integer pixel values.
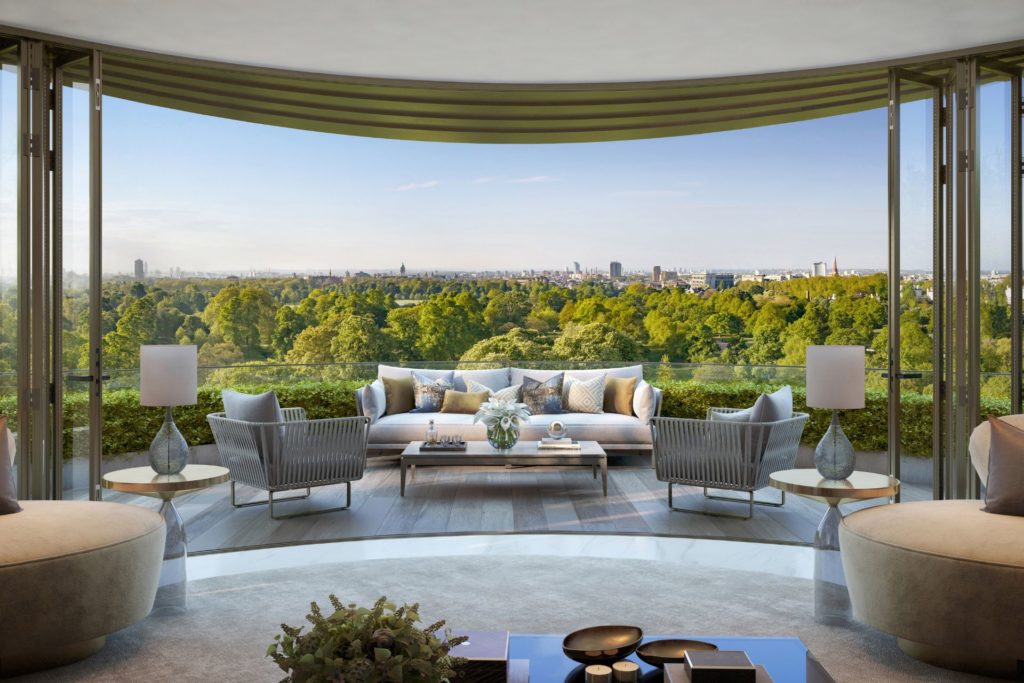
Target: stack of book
(558, 444)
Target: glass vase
(168, 454)
(502, 438)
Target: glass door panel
(915, 278)
(9, 241)
(993, 155)
(71, 211)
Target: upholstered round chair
(944, 577)
(72, 572)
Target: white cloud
(417, 186)
(534, 179)
(482, 180)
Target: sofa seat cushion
(956, 529)
(603, 428)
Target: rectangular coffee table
(787, 660)
(523, 453)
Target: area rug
(232, 619)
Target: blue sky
(203, 193)
(200, 193)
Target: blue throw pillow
(428, 392)
(543, 398)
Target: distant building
(401, 271)
(835, 267)
(615, 270)
(698, 280)
(140, 270)
(720, 281)
(669, 276)
(819, 269)
(576, 267)
(656, 275)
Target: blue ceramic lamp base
(834, 455)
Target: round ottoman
(944, 577)
(70, 573)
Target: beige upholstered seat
(72, 572)
(944, 577)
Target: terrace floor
(461, 500)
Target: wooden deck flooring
(462, 500)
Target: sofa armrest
(658, 395)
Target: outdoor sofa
(614, 431)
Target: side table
(831, 597)
(172, 595)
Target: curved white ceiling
(532, 41)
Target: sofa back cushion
(517, 374)
(395, 372)
(511, 393)
(492, 379)
(1004, 494)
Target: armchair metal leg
(766, 503)
(348, 504)
(262, 502)
(709, 513)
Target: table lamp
(168, 378)
(835, 380)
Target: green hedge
(128, 427)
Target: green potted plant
(381, 644)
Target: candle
(599, 673)
(628, 672)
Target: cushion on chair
(8, 489)
(252, 407)
(980, 443)
(1004, 494)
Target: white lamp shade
(835, 377)
(168, 375)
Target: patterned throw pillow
(507, 394)
(428, 393)
(543, 398)
(586, 396)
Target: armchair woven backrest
(283, 455)
(724, 454)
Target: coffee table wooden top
(478, 449)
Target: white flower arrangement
(502, 414)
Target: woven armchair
(290, 455)
(720, 454)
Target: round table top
(146, 480)
(858, 486)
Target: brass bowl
(658, 653)
(602, 644)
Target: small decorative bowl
(602, 644)
(658, 653)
